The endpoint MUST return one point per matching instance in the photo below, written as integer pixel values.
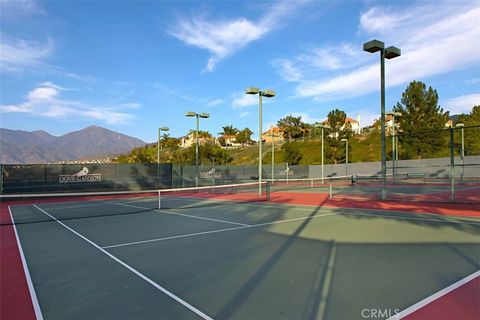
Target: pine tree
(422, 124)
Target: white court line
(301, 207)
(435, 296)
(215, 231)
(150, 281)
(409, 218)
(182, 214)
(93, 205)
(31, 288)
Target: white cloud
(46, 101)
(244, 100)
(215, 102)
(288, 70)
(13, 8)
(462, 104)
(18, 55)
(224, 37)
(473, 81)
(444, 41)
(244, 114)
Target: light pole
(273, 153)
(394, 151)
(197, 115)
(388, 53)
(158, 142)
(346, 155)
(322, 126)
(462, 154)
(268, 94)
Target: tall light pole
(158, 142)
(388, 53)
(197, 115)
(273, 153)
(462, 154)
(394, 151)
(322, 126)
(268, 94)
(346, 155)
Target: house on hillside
(189, 140)
(277, 133)
(230, 141)
(354, 124)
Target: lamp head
(190, 114)
(252, 90)
(373, 46)
(268, 93)
(459, 125)
(392, 52)
(164, 128)
(344, 140)
(204, 115)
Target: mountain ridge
(39, 146)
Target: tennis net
(35, 208)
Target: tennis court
(236, 254)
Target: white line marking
(183, 214)
(330, 207)
(435, 296)
(215, 231)
(31, 288)
(172, 237)
(408, 218)
(153, 283)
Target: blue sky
(132, 66)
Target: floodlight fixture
(392, 52)
(459, 125)
(190, 114)
(252, 90)
(373, 46)
(204, 115)
(268, 93)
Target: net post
(330, 192)
(311, 183)
(267, 191)
(159, 200)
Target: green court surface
(237, 261)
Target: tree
(471, 131)
(421, 123)
(339, 128)
(291, 127)
(292, 154)
(229, 131)
(244, 136)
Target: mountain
(17, 146)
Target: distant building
(278, 135)
(188, 141)
(354, 124)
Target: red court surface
(316, 199)
(462, 303)
(15, 300)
